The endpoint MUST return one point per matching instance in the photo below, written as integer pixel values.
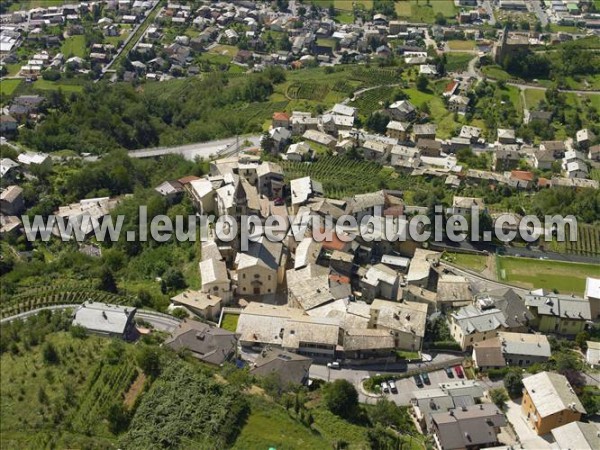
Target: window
(244, 289)
(269, 290)
(243, 275)
(269, 277)
(257, 276)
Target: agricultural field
(533, 97)
(496, 72)
(65, 86)
(73, 46)
(8, 86)
(418, 11)
(62, 404)
(476, 263)
(588, 241)
(456, 62)
(461, 45)
(373, 100)
(531, 273)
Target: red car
(459, 371)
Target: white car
(385, 388)
(334, 365)
(393, 387)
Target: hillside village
(471, 352)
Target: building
(281, 119)
(511, 349)
(397, 130)
(210, 344)
(470, 324)
(592, 354)
(172, 190)
(549, 402)
(106, 320)
(463, 206)
(468, 427)
(11, 201)
(304, 189)
(404, 320)
(286, 367)
(200, 303)
(560, 314)
(506, 136)
(453, 291)
(380, 281)
(577, 435)
(298, 152)
(592, 294)
(260, 270)
(402, 110)
(459, 103)
(215, 279)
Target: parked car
(385, 388)
(418, 380)
(449, 372)
(459, 372)
(425, 377)
(393, 387)
(334, 365)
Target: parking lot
(406, 386)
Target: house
(430, 401)
(577, 435)
(9, 224)
(549, 401)
(35, 159)
(420, 267)
(375, 150)
(512, 349)
(400, 155)
(281, 119)
(304, 189)
(543, 159)
(425, 131)
(404, 320)
(592, 294)
(594, 153)
(584, 138)
(368, 344)
(557, 148)
(260, 270)
(308, 287)
(287, 368)
(463, 206)
(576, 169)
(505, 158)
(84, 216)
(453, 291)
(209, 344)
(560, 314)
(470, 324)
(397, 130)
(429, 70)
(106, 320)
(215, 279)
(518, 317)
(303, 121)
(311, 336)
(280, 137)
(298, 152)
(171, 190)
(468, 427)
(269, 180)
(380, 281)
(506, 136)
(592, 354)
(8, 124)
(200, 303)
(8, 169)
(11, 201)
(522, 179)
(458, 103)
(343, 110)
(402, 110)
(318, 137)
(429, 147)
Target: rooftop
(551, 393)
(103, 317)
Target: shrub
(513, 382)
(51, 75)
(341, 398)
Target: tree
(386, 413)
(173, 279)
(50, 354)
(422, 83)
(498, 397)
(118, 418)
(107, 281)
(267, 143)
(582, 339)
(148, 358)
(341, 398)
(513, 382)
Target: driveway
(407, 386)
(528, 437)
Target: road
(535, 7)
(487, 5)
(161, 322)
(204, 150)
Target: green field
(46, 85)
(457, 61)
(496, 72)
(533, 97)
(30, 4)
(419, 11)
(8, 86)
(461, 45)
(474, 262)
(73, 46)
(531, 273)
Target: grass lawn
(531, 273)
(496, 72)
(225, 50)
(533, 97)
(469, 261)
(73, 46)
(7, 87)
(419, 11)
(230, 322)
(46, 85)
(344, 17)
(30, 4)
(457, 61)
(326, 42)
(461, 45)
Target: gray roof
(524, 344)
(309, 285)
(264, 253)
(210, 344)
(551, 393)
(103, 318)
(471, 319)
(468, 426)
(290, 368)
(563, 306)
(510, 303)
(577, 436)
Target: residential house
(8, 124)
(376, 150)
(549, 402)
(505, 158)
(511, 349)
(453, 291)
(261, 269)
(577, 435)
(420, 267)
(458, 103)
(215, 279)
(471, 133)
(397, 130)
(199, 303)
(304, 189)
(286, 368)
(425, 131)
(401, 155)
(506, 136)
(320, 138)
(35, 159)
(281, 119)
(464, 206)
(592, 354)
(560, 314)
(592, 294)
(344, 110)
(106, 320)
(404, 320)
(11, 201)
(311, 336)
(594, 153)
(203, 194)
(557, 148)
(269, 180)
(8, 169)
(402, 110)
(298, 152)
(207, 343)
(584, 138)
(303, 121)
(429, 147)
(468, 427)
(470, 324)
(543, 159)
(308, 287)
(368, 344)
(380, 281)
(171, 190)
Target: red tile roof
(281, 116)
(522, 175)
(188, 179)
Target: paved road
(159, 321)
(204, 150)
(535, 6)
(487, 4)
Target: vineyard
(344, 177)
(107, 385)
(66, 293)
(373, 77)
(588, 241)
(307, 91)
(373, 100)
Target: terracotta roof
(339, 278)
(523, 175)
(281, 116)
(543, 182)
(451, 86)
(188, 179)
